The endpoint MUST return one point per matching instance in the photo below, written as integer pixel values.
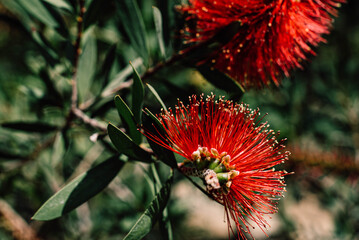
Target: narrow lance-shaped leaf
(133, 23)
(39, 11)
(125, 145)
(60, 4)
(163, 220)
(152, 124)
(146, 222)
(128, 119)
(87, 67)
(168, 19)
(79, 190)
(138, 93)
(120, 78)
(157, 16)
(107, 65)
(61, 28)
(27, 24)
(154, 92)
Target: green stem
(165, 224)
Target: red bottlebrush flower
(276, 35)
(234, 154)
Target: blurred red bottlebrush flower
(234, 154)
(276, 35)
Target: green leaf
(138, 93)
(147, 220)
(61, 28)
(163, 221)
(107, 65)
(38, 127)
(48, 52)
(157, 96)
(165, 225)
(222, 81)
(127, 117)
(37, 9)
(79, 190)
(60, 4)
(125, 145)
(153, 125)
(157, 16)
(131, 18)
(168, 16)
(120, 78)
(87, 67)
(26, 23)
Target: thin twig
(87, 120)
(75, 111)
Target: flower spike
(225, 145)
(275, 38)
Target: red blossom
(226, 145)
(276, 35)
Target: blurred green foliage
(43, 146)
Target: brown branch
(87, 120)
(15, 223)
(75, 111)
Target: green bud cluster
(213, 168)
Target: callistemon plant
(226, 145)
(275, 37)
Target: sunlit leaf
(128, 118)
(79, 190)
(125, 145)
(147, 220)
